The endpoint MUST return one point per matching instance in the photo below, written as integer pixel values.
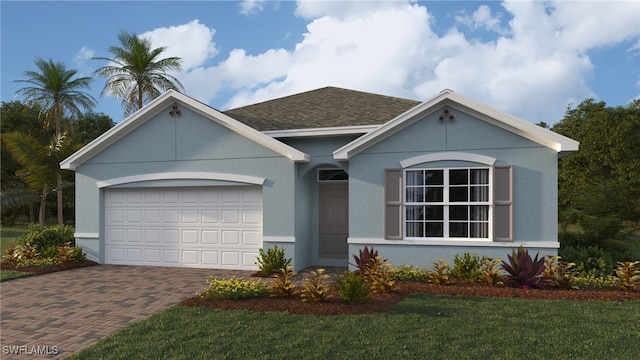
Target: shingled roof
(324, 107)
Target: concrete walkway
(60, 313)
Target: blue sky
(528, 58)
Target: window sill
(455, 242)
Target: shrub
(439, 274)
(365, 258)
(594, 282)
(315, 286)
(490, 274)
(37, 262)
(467, 267)
(20, 253)
(351, 287)
(272, 260)
(590, 261)
(68, 253)
(283, 284)
(559, 273)
(409, 273)
(234, 288)
(378, 275)
(628, 274)
(524, 272)
(47, 239)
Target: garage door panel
(210, 237)
(210, 258)
(252, 238)
(210, 216)
(153, 255)
(249, 258)
(152, 236)
(195, 227)
(152, 216)
(133, 235)
(190, 236)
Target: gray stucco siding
(535, 172)
(423, 256)
(223, 152)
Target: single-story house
(321, 174)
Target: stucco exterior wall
(534, 184)
(189, 143)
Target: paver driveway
(66, 311)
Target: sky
(531, 59)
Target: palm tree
(135, 74)
(59, 95)
(39, 168)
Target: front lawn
(8, 237)
(422, 326)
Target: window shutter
(503, 203)
(393, 204)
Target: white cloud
(82, 56)
(534, 65)
(341, 9)
(482, 18)
(248, 7)
(193, 42)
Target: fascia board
(542, 136)
(545, 137)
(319, 132)
(160, 103)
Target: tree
(609, 154)
(88, 127)
(136, 74)
(56, 91)
(599, 186)
(17, 116)
(39, 167)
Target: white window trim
(445, 203)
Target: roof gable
(555, 141)
(322, 108)
(163, 102)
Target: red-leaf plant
(524, 272)
(367, 256)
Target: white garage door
(214, 227)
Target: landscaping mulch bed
(378, 302)
(45, 269)
(382, 302)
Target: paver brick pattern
(66, 311)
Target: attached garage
(208, 227)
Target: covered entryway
(334, 219)
(210, 227)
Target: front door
(334, 220)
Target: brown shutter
(393, 204)
(503, 203)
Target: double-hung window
(447, 203)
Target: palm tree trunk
(43, 203)
(60, 207)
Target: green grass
(6, 275)
(9, 236)
(422, 326)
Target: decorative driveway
(57, 314)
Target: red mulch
(382, 302)
(378, 302)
